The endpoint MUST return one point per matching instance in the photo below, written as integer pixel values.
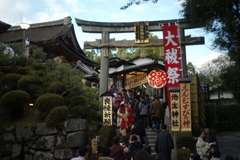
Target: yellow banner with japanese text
(175, 111)
(107, 110)
(185, 95)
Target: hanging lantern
(157, 79)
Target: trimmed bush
(7, 69)
(183, 154)
(85, 112)
(14, 102)
(106, 135)
(46, 102)
(185, 139)
(38, 69)
(56, 88)
(78, 112)
(1, 74)
(10, 81)
(57, 115)
(30, 84)
(80, 100)
(22, 70)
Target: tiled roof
(47, 33)
(4, 26)
(38, 32)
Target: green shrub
(10, 81)
(46, 102)
(14, 102)
(185, 139)
(56, 87)
(228, 117)
(30, 84)
(106, 135)
(85, 112)
(78, 112)
(22, 70)
(7, 69)
(1, 74)
(183, 154)
(210, 115)
(80, 100)
(57, 115)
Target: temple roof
(4, 26)
(57, 37)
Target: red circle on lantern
(157, 79)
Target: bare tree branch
(137, 2)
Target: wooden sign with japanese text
(94, 145)
(172, 56)
(135, 81)
(141, 32)
(185, 97)
(107, 110)
(175, 111)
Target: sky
(15, 12)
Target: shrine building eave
(146, 67)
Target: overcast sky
(33, 11)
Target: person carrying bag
(156, 112)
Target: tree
(191, 68)
(154, 52)
(222, 18)
(210, 74)
(137, 2)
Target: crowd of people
(128, 107)
(133, 113)
(131, 147)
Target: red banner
(172, 57)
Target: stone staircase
(152, 136)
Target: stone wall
(43, 142)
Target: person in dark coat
(210, 138)
(144, 111)
(116, 150)
(135, 145)
(157, 106)
(143, 155)
(164, 144)
(148, 99)
(136, 110)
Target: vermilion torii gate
(105, 28)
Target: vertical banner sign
(172, 57)
(175, 111)
(186, 121)
(107, 110)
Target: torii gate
(105, 28)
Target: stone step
(152, 136)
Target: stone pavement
(229, 144)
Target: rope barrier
(133, 45)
